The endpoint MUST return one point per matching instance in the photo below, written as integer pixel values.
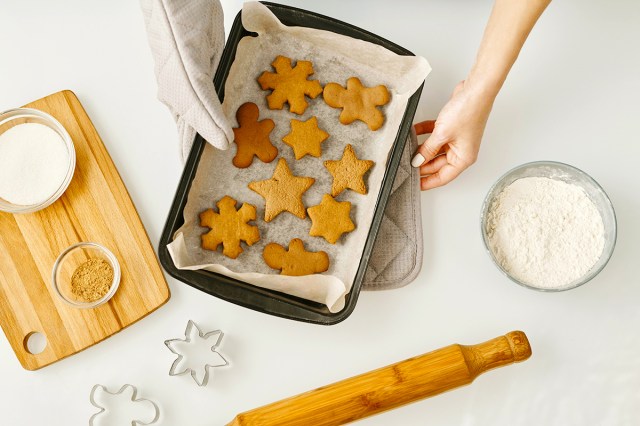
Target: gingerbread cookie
(289, 84)
(357, 102)
(330, 219)
(229, 227)
(348, 172)
(283, 192)
(305, 138)
(252, 137)
(296, 260)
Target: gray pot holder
(396, 258)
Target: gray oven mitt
(396, 257)
(186, 39)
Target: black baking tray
(247, 295)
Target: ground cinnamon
(92, 280)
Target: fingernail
(417, 160)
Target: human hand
(455, 136)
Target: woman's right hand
(455, 136)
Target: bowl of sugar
(548, 226)
(37, 160)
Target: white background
(571, 97)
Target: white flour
(545, 232)
(33, 163)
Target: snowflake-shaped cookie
(122, 407)
(290, 84)
(229, 227)
(196, 353)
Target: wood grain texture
(96, 207)
(392, 386)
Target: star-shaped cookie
(305, 138)
(252, 137)
(283, 192)
(330, 219)
(357, 102)
(348, 172)
(290, 84)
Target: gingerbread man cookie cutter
(105, 400)
(184, 365)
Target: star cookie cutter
(194, 336)
(107, 414)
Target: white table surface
(572, 97)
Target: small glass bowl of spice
(86, 275)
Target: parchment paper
(335, 58)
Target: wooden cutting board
(96, 207)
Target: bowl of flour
(37, 160)
(548, 226)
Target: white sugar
(33, 163)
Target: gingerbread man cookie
(358, 102)
(283, 192)
(229, 227)
(252, 137)
(348, 172)
(290, 85)
(305, 138)
(330, 219)
(296, 260)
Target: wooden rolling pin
(392, 386)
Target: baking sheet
(335, 58)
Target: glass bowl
(568, 174)
(14, 117)
(67, 263)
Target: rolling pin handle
(494, 353)
(519, 345)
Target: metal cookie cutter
(108, 415)
(193, 338)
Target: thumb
(428, 150)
